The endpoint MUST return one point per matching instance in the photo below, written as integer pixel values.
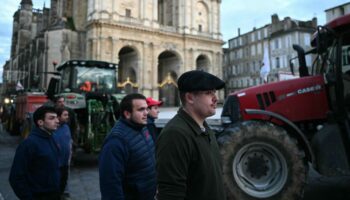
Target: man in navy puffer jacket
(127, 159)
(35, 170)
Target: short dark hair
(126, 103)
(60, 110)
(39, 113)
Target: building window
(127, 12)
(307, 39)
(276, 44)
(200, 28)
(278, 63)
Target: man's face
(50, 122)
(153, 111)
(204, 103)
(139, 112)
(64, 118)
(60, 102)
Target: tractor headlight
(6, 100)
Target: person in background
(86, 86)
(63, 138)
(153, 111)
(127, 159)
(35, 172)
(188, 159)
(59, 102)
(72, 122)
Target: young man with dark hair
(188, 159)
(35, 172)
(64, 140)
(127, 159)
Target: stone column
(115, 56)
(155, 10)
(142, 9)
(218, 26)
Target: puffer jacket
(127, 163)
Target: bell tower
(23, 30)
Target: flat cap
(197, 80)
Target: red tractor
(20, 120)
(275, 133)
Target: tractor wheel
(261, 161)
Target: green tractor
(89, 88)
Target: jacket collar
(40, 132)
(193, 124)
(150, 119)
(132, 125)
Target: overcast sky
(234, 14)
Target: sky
(234, 14)
(257, 13)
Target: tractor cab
(88, 76)
(89, 88)
(331, 49)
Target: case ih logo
(309, 89)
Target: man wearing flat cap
(188, 159)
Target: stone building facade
(152, 41)
(243, 58)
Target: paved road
(84, 179)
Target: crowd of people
(136, 161)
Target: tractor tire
(261, 161)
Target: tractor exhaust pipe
(303, 71)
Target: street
(84, 178)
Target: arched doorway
(202, 63)
(128, 65)
(168, 65)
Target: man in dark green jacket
(188, 160)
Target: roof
(340, 22)
(341, 5)
(87, 63)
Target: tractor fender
(298, 133)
